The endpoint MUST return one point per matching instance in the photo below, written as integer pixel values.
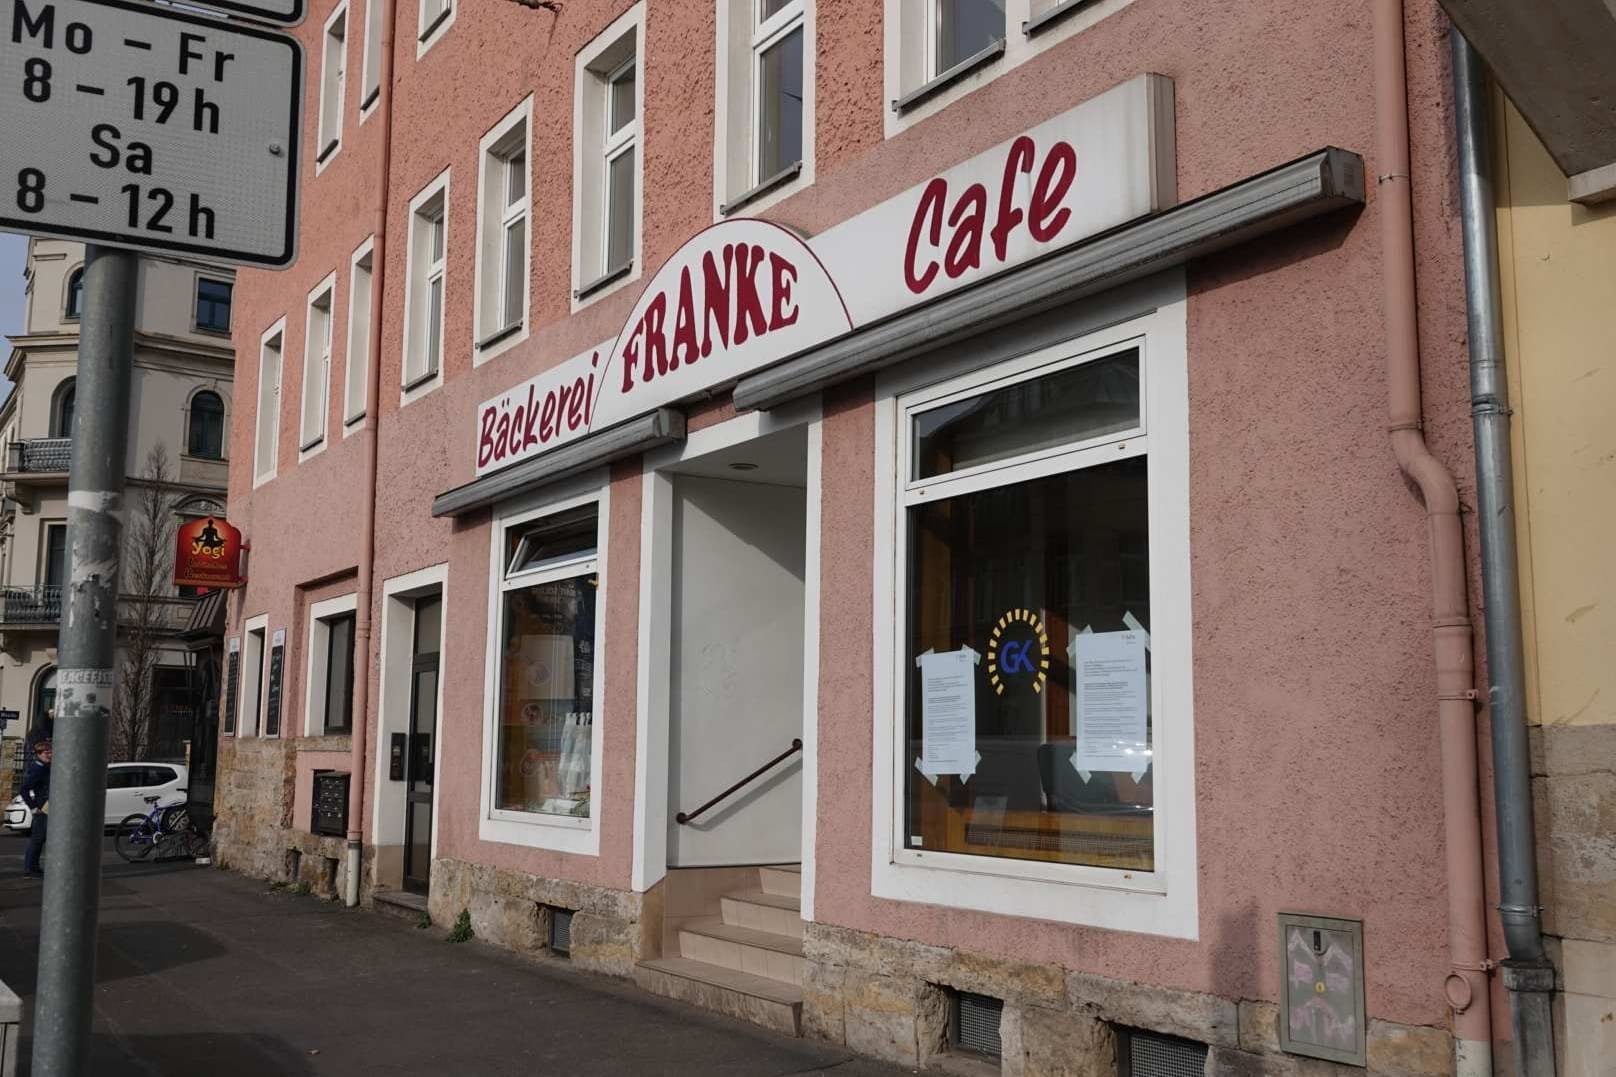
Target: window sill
(329, 151)
(1039, 23)
(353, 420)
(954, 74)
(418, 381)
(498, 335)
(604, 279)
(432, 27)
(370, 99)
(212, 331)
(779, 179)
(308, 446)
(200, 459)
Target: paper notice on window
(948, 712)
(1111, 702)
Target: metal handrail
(796, 746)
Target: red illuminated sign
(207, 553)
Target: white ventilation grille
(561, 931)
(1150, 1054)
(976, 1024)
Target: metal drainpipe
(357, 765)
(1466, 987)
(1527, 975)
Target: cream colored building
(180, 399)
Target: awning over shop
(636, 436)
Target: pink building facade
(960, 427)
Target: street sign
(7, 717)
(133, 125)
(283, 12)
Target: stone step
(762, 953)
(777, 913)
(783, 879)
(400, 903)
(752, 998)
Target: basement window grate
(976, 1024)
(560, 931)
(1151, 1054)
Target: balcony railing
(40, 455)
(31, 605)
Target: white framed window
(503, 243)
(424, 293)
(316, 367)
(328, 685)
(254, 675)
(266, 434)
(370, 62)
(333, 83)
(1037, 510)
(607, 162)
(764, 113)
(937, 51)
(434, 17)
(356, 369)
(545, 674)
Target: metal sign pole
(64, 1007)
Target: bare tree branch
(147, 582)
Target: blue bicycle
(166, 830)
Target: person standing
(36, 794)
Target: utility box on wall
(1321, 992)
(330, 814)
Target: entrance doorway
(421, 743)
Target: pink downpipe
(1466, 987)
(358, 766)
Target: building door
(420, 743)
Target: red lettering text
(785, 276)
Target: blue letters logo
(1018, 647)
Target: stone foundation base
(611, 929)
(888, 998)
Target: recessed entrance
(421, 743)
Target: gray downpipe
(1528, 977)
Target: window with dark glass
(205, 437)
(545, 709)
(213, 304)
(55, 555)
(1026, 531)
(339, 673)
(964, 28)
(75, 294)
(62, 411)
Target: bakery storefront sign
(744, 294)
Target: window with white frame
(502, 231)
(1035, 689)
(333, 80)
(607, 162)
(434, 17)
(545, 673)
(370, 63)
(317, 365)
(429, 239)
(765, 71)
(328, 707)
(356, 373)
(266, 438)
(254, 655)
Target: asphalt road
(203, 973)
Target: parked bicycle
(166, 830)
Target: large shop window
(547, 658)
(1040, 565)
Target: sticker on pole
(133, 125)
(83, 693)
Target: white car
(128, 786)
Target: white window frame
(557, 832)
(1151, 317)
(395, 661)
(593, 148)
(370, 60)
(317, 643)
(328, 143)
(416, 384)
(273, 338)
(254, 676)
(356, 353)
(429, 33)
(910, 42)
(742, 40)
(495, 214)
(317, 357)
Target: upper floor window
(356, 384)
(434, 19)
(428, 244)
(205, 436)
(75, 294)
(765, 49)
(370, 64)
(502, 240)
(608, 160)
(333, 79)
(62, 409)
(213, 304)
(960, 30)
(266, 439)
(317, 365)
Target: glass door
(420, 746)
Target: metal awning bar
(1321, 182)
(626, 439)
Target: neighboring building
(880, 519)
(180, 398)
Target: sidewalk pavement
(203, 973)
